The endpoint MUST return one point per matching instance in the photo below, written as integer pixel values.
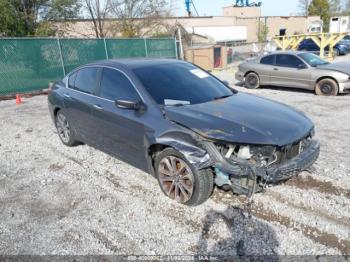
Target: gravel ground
(60, 200)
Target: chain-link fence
(28, 64)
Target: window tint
(288, 61)
(310, 42)
(180, 84)
(115, 85)
(85, 80)
(72, 80)
(267, 60)
(312, 59)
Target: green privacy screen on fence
(28, 64)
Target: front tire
(180, 180)
(327, 87)
(64, 130)
(252, 80)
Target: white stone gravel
(59, 200)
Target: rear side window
(309, 42)
(85, 80)
(115, 85)
(267, 60)
(288, 61)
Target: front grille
(290, 151)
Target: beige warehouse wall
(85, 28)
(203, 21)
(293, 25)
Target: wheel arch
(326, 77)
(183, 142)
(251, 71)
(55, 111)
(156, 148)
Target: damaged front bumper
(239, 76)
(344, 87)
(295, 165)
(246, 178)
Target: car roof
(287, 52)
(133, 63)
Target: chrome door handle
(276, 69)
(66, 95)
(98, 107)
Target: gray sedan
(296, 69)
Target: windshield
(312, 59)
(175, 84)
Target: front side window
(180, 84)
(85, 80)
(268, 60)
(285, 60)
(115, 85)
(312, 59)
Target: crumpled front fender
(189, 146)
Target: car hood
(343, 67)
(243, 118)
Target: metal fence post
(175, 43)
(104, 41)
(61, 56)
(146, 50)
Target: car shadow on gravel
(248, 236)
(290, 89)
(280, 88)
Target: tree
(98, 11)
(321, 8)
(138, 17)
(23, 17)
(10, 23)
(263, 32)
(62, 10)
(346, 10)
(304, 7)
(335, 7)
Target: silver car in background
(296, 69)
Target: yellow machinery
(322, 40)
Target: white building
(339, 24)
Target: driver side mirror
(128, 104)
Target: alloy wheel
(63, 127)
(176, 179)
(326, 88)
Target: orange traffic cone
(18, 99)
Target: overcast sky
(214, 7)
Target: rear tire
(336, 52)
(327, 87)
(252, 80)
(197, 184)
(64, 130)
